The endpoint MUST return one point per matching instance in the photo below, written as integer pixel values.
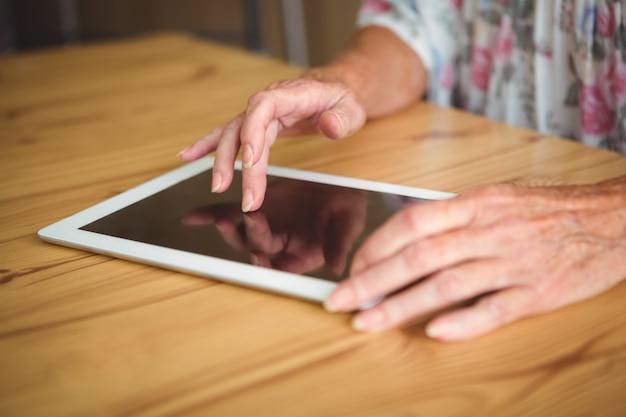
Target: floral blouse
(558, 66)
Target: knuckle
(412, 218)
(394, 312)
(544, 230)
(512, 229)
(229, 127)
(363, 288)
(547, 290)
(259, 97)
(497, 308)
(450, 286)
(519, 302)
(412, 257)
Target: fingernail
(358, 325)
(248, 156)
(338, 300)
(254, 260)
(340, 120)
(180, 154)
(436, 330)
(217, 182)
(329, 306)
(369, 321)
(247, 201)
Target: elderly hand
(285, 107)
(376, 75)
(522, 251)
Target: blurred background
(303, 32)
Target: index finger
(254, 177)
(415, 222)
(262, 111)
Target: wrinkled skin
(524, 250)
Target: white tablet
(299, 243)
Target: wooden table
(86, 335)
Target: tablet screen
(303, 227)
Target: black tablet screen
(303, 227)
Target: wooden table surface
(86, 335)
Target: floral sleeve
(557, 66)
(401, 17)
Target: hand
(522, 251)
(301, 227)
(285, 107)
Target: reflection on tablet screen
(303, 227)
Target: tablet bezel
(67, 232)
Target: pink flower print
(606, 21)
(447, 76)
(457, 4)
(544, 50)
(376, 6)
(615, 77)
(505, 39)
(619, 82)
(597, 117)
(482, 62)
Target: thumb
(343, 119)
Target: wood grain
(84, 334)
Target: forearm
(612, 210)
(383, 71)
